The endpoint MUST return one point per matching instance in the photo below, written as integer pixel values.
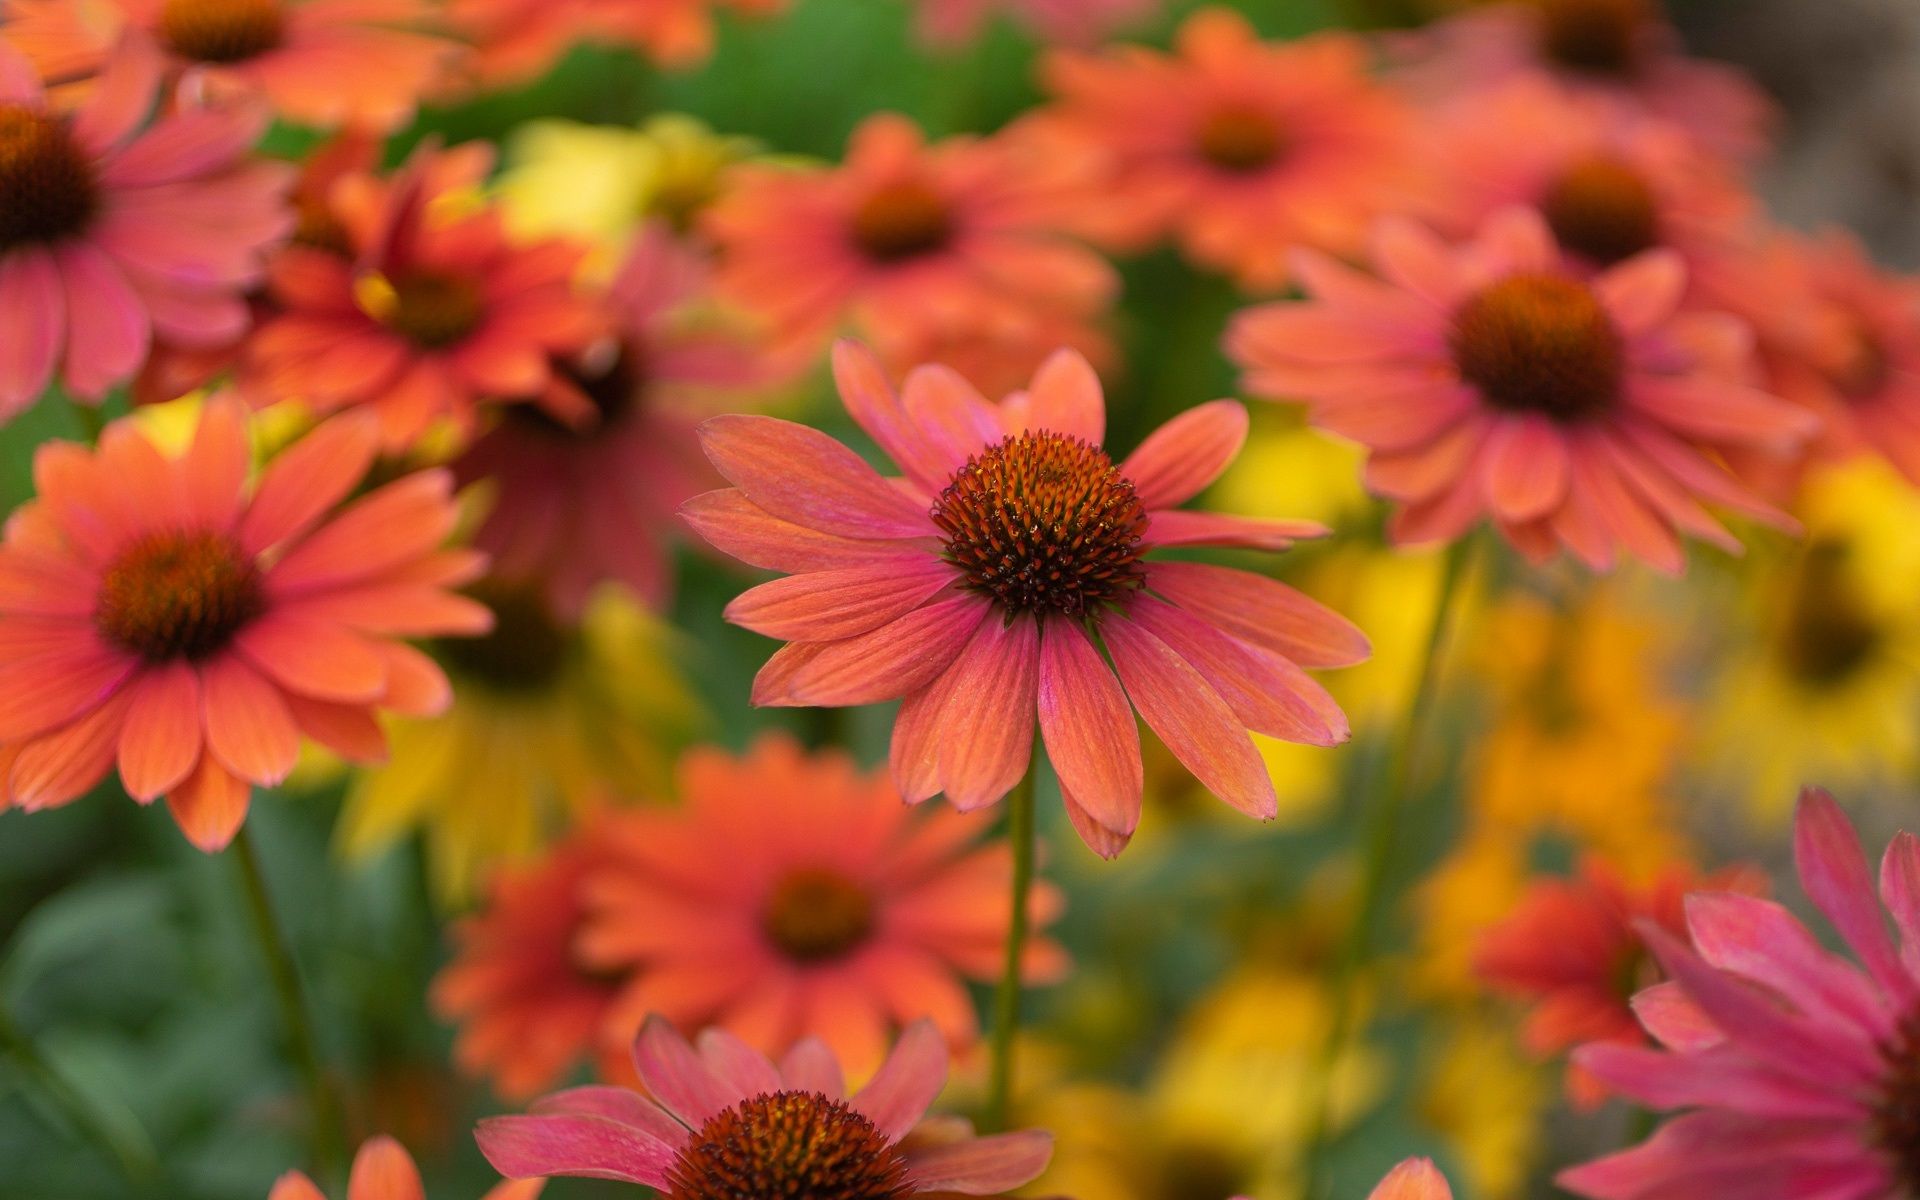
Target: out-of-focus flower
(586, 483)
(548, 719)
(315, 62)
(949, 23)
(1486, 1099)
(602, 183)
(1414, 1179)
(1288, 469)
(1487, 382)
(722, 1121)
(975, 587)
(791, 896)
(911, 246)
(163, 615)
(1795, 1065)
(1620, 51)
(528, 1006)
(115, 230)
(1816, 676)
(516, 41)
(1240, 149)
(383, 1170)
(1573, 948)
(431, 312)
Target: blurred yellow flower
(1288, 470)
(545, 721)
(1485, 1097)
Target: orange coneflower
(982, 586)
(791, 895)
(1240, 149)
(163, 615)
(430, 312)
(911, 246)
(115, 229)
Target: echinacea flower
(1795, 1066)
(325, 63)
(720, 1121)
(383, 1170)
(790, 895)
(431, 313)
(528, 1007)
(1487, 381)
(909, 245)
(164, 616)
(981, 585)
(585, 481)
(1240, 149)
(1573, 948)
(116, 229)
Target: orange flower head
(164, 616)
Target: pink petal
(810, 1067)
(1179, 459)
(1900, 892)
(1091, 736)
(216, 465)
(1179, 527)
(822, 606)
(901, 656)
(1835, 874)
(904, 1087)
(954, 421)
(579, 1146)
(305, 481)
(1411, 256)
(1644, 291)
(803, 476)
(623, 1106)
(32, 313)
(1267, 693)
(160, 742)
(739, 1066)
(677, 1077)
(985, 727)
(121, 96)
(1263, 612)
(1066, 398)
(875, 407)
(1527, 467)
(380, 531)
(248, 726)
(46, 691)
(1675, 1021)
(1762, 941)
(60, 766)
(982, 1166)
(107, 329)
(739, 528)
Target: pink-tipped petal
(823, 606)
(982, 1166)
(623, 1106)
(1527, 467)
(901, 656)
(739, 1066)
(810, 1067)
(1900, 892)
(1263, 612)
(1091, 736)
(736, 526)
(985, 732)
(803, 476)
(579, 1146)
(901, 1091)
(32, 314)
(1643, 291)
(1066, 398)
(877, 409)
(678, 1077)
(1179, 459)
(1837, 879)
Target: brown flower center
(1602, 210)
(1600, 37)
(1044, 523)
(178, 595)
(221, 31)
(1539, 343)
(1194, 1170)
(1896, 1121)
(814, 915)
(1862, 369)
(47, 187)
(788, 1146)
(902, 220)
(430, 310)
(612, 383)
(1828, 634)
(525, 650)
(1240, 139)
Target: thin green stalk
(1388, 803)
(1006, 1003)
(329, 1135)
(124, 1142)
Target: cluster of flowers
(1513, 256)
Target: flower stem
(329, 1138)
(93, 420)
(1388, 802)
(121, 1140)
(1006, 1002)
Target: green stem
(1006, 1002)
(329, 1137)
(93, 420)
(124, 1142)
(1383, 822)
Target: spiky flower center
(1602, 210)
(1600, 37)
(815, 915)
(902, 220)
(1828, 635)
(221, 31)
(1044, 523)
(429, 309)
(1539, 343)
(1896, 1120)
(525, 650)
(789, 1146)
(1238, 139)
(173, 595)
(48, 190)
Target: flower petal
(803, 476)
(248, 726)
(981, 1166)
(822, 606)
(1179, 459)
(904, 1087)
(160, 742)
(1089, 729)
(574, 1145)
(1262, 612)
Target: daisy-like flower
(789, 895)
(325, 63)
(528, 1007)
(1622, 52)
(1572, 947)
(910, 246)
(1488, 381)
(722, 1121)
(982, 585)
(1796, 1066)
(383, 1170)
(115, 229)
(163, 615)
(586, 481)
(516, 41)
(432, 312)
(1241, 149)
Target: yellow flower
(1819, 681)
(1289, 470)
(1485, 1097)
(545, 723)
